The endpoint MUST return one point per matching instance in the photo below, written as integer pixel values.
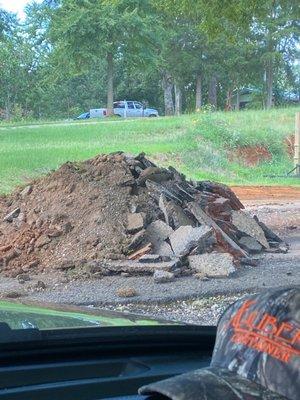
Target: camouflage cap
(256, 355)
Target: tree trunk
(198, 92)
(110, 84)
(238, 99)
(269, 84)
(228, 106)
(178, 100)
(212, 91)
(7, 107)
(167, 84)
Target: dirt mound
(118, 213)
(250, 155)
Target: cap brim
(210, 384)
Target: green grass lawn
(197, 144)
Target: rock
(187, 237)
(150, 258)
(92, 267)
(42, 241)
(23, 278)
(53, 233)
(137, 240)
(67, 264)
(245, 223)
(249, 261)
(40, 285)
(212, 265)
(33, 264)
(201, 276)
(250, 244)
(126, 292)
(135, 222)
(26, 191)
(67, 227)
(12, 215)
(158, 230)
(163, 276)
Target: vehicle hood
(151, 109)
(25, 316)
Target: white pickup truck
(122, 109)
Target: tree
(85, 31)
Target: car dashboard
(103, 367)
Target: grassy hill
(203, 146)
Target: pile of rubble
(120, 214)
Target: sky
(16, 6)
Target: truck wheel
(152, 116)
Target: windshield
(181, 194)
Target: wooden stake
(297, 144)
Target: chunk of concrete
(150, 258)
(174, 214)
(250, 244)
(160, 276)
(135, 222)
(245, 223)
(135, 267)
(212, 265)
(158, 231)
(187, 237)
(12, 215)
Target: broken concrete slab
(250, 244)
(154, 174)
(12, 215)
(245, 223)
(150, 258)
(135, 267)
(212, 265)
(174, 214)
(160, 276)
(163, 249)
(186, 237)
(135, 222)
(201, 216)
(158, 231)
(269, 234)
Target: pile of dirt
(118, 213)
(250, 155)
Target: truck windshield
(169, 206)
